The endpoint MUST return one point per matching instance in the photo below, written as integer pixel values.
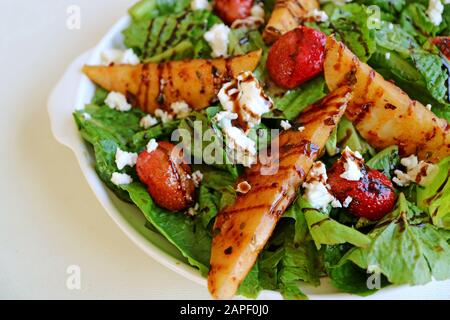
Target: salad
(275, 143)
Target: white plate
(75, 90)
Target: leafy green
(348, 136)
(209, 149)
(106, 130)
(185, 233)
(325, 230)
(146, 9)
(435, 197)
(385, 161)
(158, 131)
(350, 22)
(415, 15)
(250, 287)
(405, 249)
(345, 275)
(432, 69)
(169, 37)
(293, 102)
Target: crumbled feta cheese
(124, 159)
(434, 11)
(119, 57)
(217, 37)
(197, 178)
(352, 165)
(148, 121)
(245, 96)
(347, 201)
(240, 148)
(285, 124)
(316, 189)
(163, 115)
(116, 100)
(86, 116)
(429, 106)
(181, 109)
(301, 129)
(336, 203)
(388, 55)
(121, 178)
(152, 145)
(257, 11)
(318, 15)
(243, 187)
(391, 26)
(419, 172)
(200, 5)
(192, 211)
(317, 195)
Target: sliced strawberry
(372, 197)
(443, 43)
(296, 57)
(231, 10)
(166, 177)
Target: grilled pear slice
(383, 114)
(287, 15)
(241, 230)
(154, 86)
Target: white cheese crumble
(119, 57)
(197, 177)
(116, 100)
(419, 172)
(347, 201)
(217, 38)
(388, 55)
(352, 165)
(285, 124)
(429, 106)
(181, 109)
(124, 159)
(200, 5)
(301, 129)
(163, 115)
(240, 148)
(316, 190)
(318, 15)
(148, 121)
(391, 26)
(245, 96)
(86, 116)
(152, 145)
(121, 178)
(243, 187)
(192, 211)
(434, 11)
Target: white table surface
(49, 218)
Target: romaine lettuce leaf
(385, 161)
(350, 22)
(185, 233)
(325, 230)
(106, 130)
(405, 248)
(170, 37)
(435, 198)
(293, 102)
